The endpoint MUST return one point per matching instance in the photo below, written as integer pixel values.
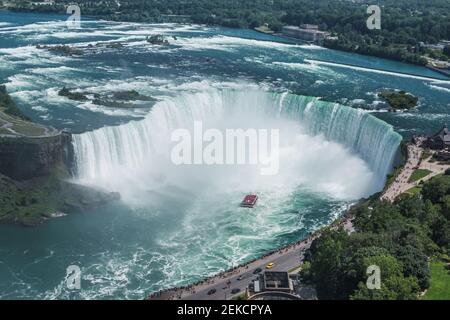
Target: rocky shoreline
(36, 167)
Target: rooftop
(276, 280)
(443, 134)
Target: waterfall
(372, 139)
(139, 143)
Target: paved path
(402, 184)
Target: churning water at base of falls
(329, 148)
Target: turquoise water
(176, 225)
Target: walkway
(402, 183)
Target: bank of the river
(376, 50)
(291, 256)
(226, 284)
(35, 166)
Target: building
(276, 281)
(439, 141)
(309, 26)
(437, 46)
(306, 32)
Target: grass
(17, 122)
(295, 269)
(415, 190)
(419, 174)
(241, 296)
(20, 126)
(440, 281)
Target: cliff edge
(35, 166)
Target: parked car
(257, 270)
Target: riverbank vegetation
(404, 23)
(34, 201)
(34, 175)
(399, 237)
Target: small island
(119, 99)
(77, 96)
(399, 100)
(129, 95)
(64, 50)
(157, 39)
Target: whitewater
(109, 155)
(177, 224)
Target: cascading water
(371, 138)
(134, 148)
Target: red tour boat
(249, 201)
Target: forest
(401, 238)
(404, 23)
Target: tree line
(404, 23)
(398, 237)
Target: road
(284, 259)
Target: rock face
(24, 158)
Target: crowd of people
(402, 180)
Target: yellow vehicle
(270, 265)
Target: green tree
(327, 252)
(393, 284)
(436, 189)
